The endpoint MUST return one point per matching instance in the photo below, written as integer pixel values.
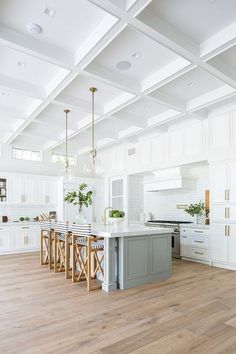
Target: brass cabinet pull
(198, 241)
(225, 194)
(25, 227)
(198, 252)
(228, 213)
(184, 236)
(225, 213)
(226, 230)
(198, 231)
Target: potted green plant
(196, 210)
(81, 198)
(116, 216)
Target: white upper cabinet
(219, 182)
(222, 130)
(193, 138)
(32, 190)
(175, 144)
(223, 187)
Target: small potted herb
(196, 210)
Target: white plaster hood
(170, 178)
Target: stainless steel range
(175, 236)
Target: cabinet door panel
(232, 243)
(219, 182)
(184, 245)
(5, 239)
(28, 190)
(232, 179)
(223, 212)
(220, 131)
(219, 242)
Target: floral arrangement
(81, 197)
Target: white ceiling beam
(131, 119)
(212, 97)
(22, 88)
(28, 45)
(168, 36)
(42, 106)
(168, 101)
(77, 104)
(218, 42)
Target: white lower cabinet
(14, 239)
(194, 243)
(224, 244)
(6, 243)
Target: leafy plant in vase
(197, 211)
(82, 199)
(116, 216)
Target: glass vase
(80, 217)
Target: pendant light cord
(66, 143)
(94, 153)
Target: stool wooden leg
(49, 250)
(73, 259)
(67, 256)
(88, 265)
(41, 248)
(55, 253)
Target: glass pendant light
(66, 173)
(93, 166)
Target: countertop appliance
(175, 236)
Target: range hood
(170, 178)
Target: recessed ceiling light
(212, 1)
(5, 94)
(34, 28)
(123, 65)
(136, 55)
(191, 84)
(21, 64)
(49, 11)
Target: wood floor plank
(40, 312)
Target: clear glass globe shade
(93, 168)
(66, 173)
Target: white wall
(163, 204)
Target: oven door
(175, 244)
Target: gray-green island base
(134, 255)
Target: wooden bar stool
(85, 249)
(46, 244)
(62, 248)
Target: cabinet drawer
(199, 241)
(199, 253)
(198, 232)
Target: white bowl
(116, 221)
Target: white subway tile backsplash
(163, 204)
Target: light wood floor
(40, 312)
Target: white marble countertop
(195, 226)
(20, 223)
(125, 230)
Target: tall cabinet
(223, 213)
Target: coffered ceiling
(178, 60)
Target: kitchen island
(134, 255)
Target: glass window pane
(117, 187)
(29, 155)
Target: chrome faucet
(104, 218)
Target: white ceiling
(182, 64)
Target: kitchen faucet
(104, 218)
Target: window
(62, 158)
(21, 154)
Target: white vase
(80, 217)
